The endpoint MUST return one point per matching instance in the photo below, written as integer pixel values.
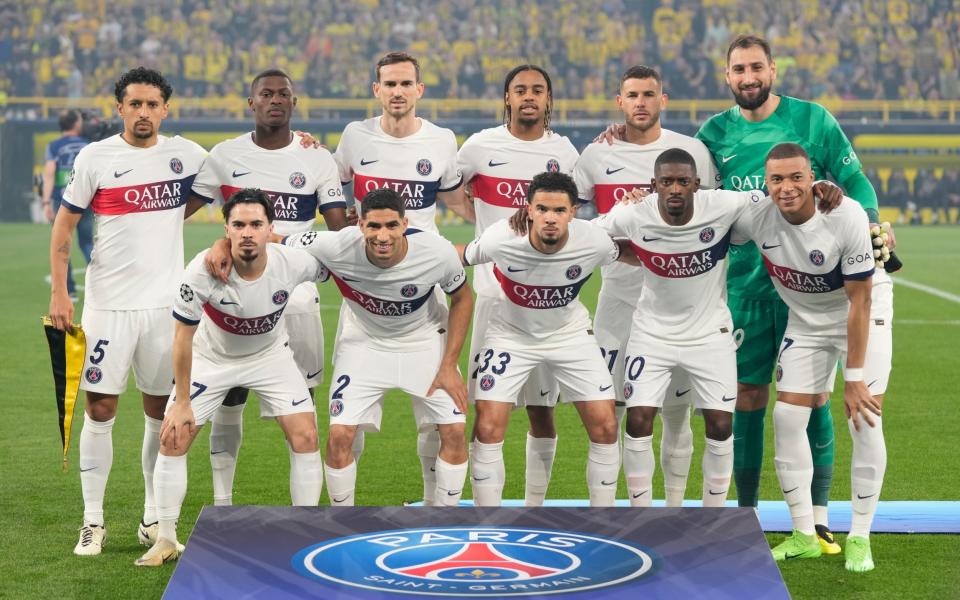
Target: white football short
(120, 339)
(272, 375)
(305, 330)
(807, 363)
(879, 357)
(363, 374)
(574, 361)
(707, 372)
(541, 389)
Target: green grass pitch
(41, 507)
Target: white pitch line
(923, 322)
(928, 289)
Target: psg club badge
(486, 382)
(816, 257)
(706, 235)
(176, 166)
(186, 293)
(297, 180)
(627, 390)
(280, 297)
(424, 167)
(94, 375)
(574, 272)
(408, 291)
(336, 407)
(779, 372)
(553, 166)
(474, 561)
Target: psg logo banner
(466, 552)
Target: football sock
(676, 451)
(358, 442)
(306, 477)
(794, 462)
(603, 470)
(717, 467)
(170, 488)
(148, 459)
(428, 447)
(748, 454)
(540, 455)
(449, 485)
(486, 466)
(638, 467)
(226, 433)
(341, 484)
(820, 434)
(96, 459)
(866, 474)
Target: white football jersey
(539, 291)
(684, 297)
(388, 305)
(808, 263)
(417, 166)
(298, 180)
(242, 318)
(606, 172)
(138, 197)
(499, 167)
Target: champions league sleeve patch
(186, 293)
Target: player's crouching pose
(539, 320)
(390, 337)
(821, 265)
(241, 341)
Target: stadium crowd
(827, 49)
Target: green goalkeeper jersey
(739, 148)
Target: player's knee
(101, 407)
(541, 422)
(304, 441)
(340, 439)
(752, 396)
(640, 421)
(487, 431)
(718, 425)
(604, 432)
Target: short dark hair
(392, 58)
(506, 90)
(142, 75)
(382, 199)
(750, 41)
(248, 196)
(675, 156)
(68, 119)
(641, 72)
(787, 150)
(269, 73)
(553, 182)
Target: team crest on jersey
(408, 291)
(706, 235)
(816, 257)
(486, 382)
(779, 372)
(476, 561)
(553, 166)
(280, 297)
(424, 166)
(73, 174)
(94, 375)
(627, 390)
(336, 407)
(176, 166)
(186, 293)
(297, 180)
(307, 237)
(574, 272)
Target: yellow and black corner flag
(67, 349)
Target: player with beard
(498, 164)
(739, 140)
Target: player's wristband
(853, 374)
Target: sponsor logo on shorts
(94, 375)
(627, 390)
(424, 167)
(816, 257)
(706, 235)
(280, 297)
(408, 291)
(475, 561)
(574, 272)
(336, 407)
(553, 166)
(176, 166)
(297, 180)
(487, 382)
(779, 372)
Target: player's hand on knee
(520, 222)
(614, 131)
(61, 312)
(859, 403)
(218, 260)
(829, 195)
(178, 426)
(448, 379)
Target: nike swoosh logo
(314, 374)
(225, 302)
(339, 500)
(118, 174)
(475, 478)
(544, 393)
(604, 388)
(766, 247)
(454, 493)
(725, 399)
(495, 164)
(726, 159)
(820, 446)
(364, 163)
(433, 469)
(640, 494)
(82, 470)
(646, 239)
(349, 279)
(789, 556)
(865, 497)
(612, 171)
(512, 270)
(793, 490)
(872, 382)
(299, 402)
(614, 482)
(235, 174)
(212, 452)
(713, 493)
(457, 412)
(678, 393)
